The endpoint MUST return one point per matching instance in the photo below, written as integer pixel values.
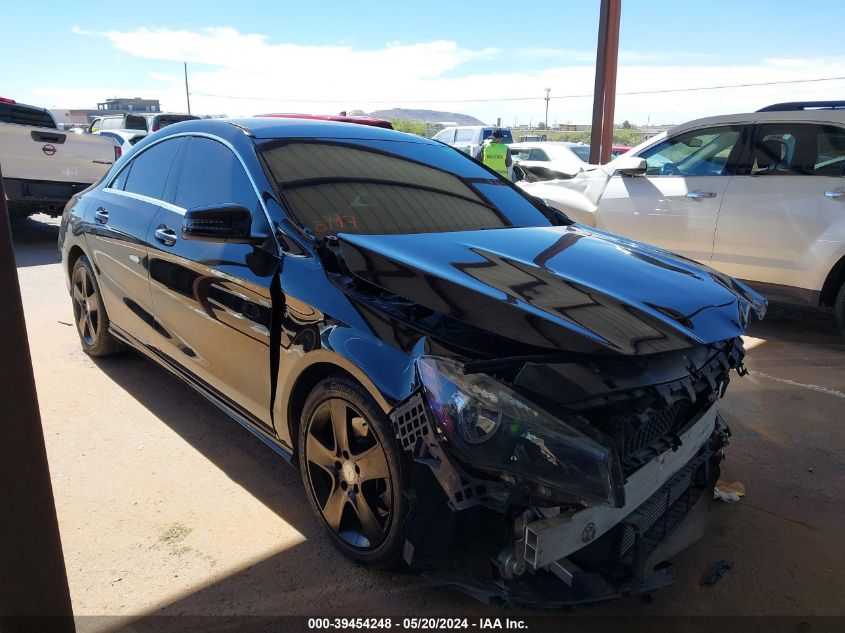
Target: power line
(762, 83)
(488, 100)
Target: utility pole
(33, 579)
(604, 95)
(187, 94)
(548, 90)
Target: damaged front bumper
(556, 557)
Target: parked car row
(142, 122)
(759, 196)
(469, 138)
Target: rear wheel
(352, 473)
(89, 313)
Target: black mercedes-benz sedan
(470, 383)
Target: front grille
(641, 434)
(643, 437)
(661, 513)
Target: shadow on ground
(36, 241)
(798, 324)
(295, 579)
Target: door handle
(166, 235)
(101, 215)
(700, 194)
(833, 193)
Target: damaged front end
(565, 481)
(561, 419)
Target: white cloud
(249, 74)
(165, 77)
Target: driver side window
(212, 174)
(702, 152)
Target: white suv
(758, 196)
(468, 138)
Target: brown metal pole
(598, 89)
(604, 93)
(33, 579)
(611, 56)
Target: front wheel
(839, 310)
(351, 468)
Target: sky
(488, 59)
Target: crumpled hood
(563, 288)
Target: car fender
(574, 203)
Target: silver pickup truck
(43, 167)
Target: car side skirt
(221, 402)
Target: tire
(839, 310)
(347, 477)
(89, 312)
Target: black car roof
(270, 128)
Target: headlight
(494, 429)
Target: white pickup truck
(43, 167)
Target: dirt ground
(167, 506)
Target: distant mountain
(426, 116)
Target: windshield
(163, 120)
(507, 137)
(390, 187)
(581, 151)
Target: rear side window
(798, 149)
(111, 123)
(464, 136)
(537, 154)
(212, 174)
(151, 168)
(445, 136)
(23, 115)
(520, 153)
(582, 152)
(830, 152)
(120, 181)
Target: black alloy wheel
(89, 314)
(350, 467)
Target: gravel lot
(167, 506)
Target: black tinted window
(798, 149)
(163, 120)
(384, 187)
(120, 181)
(212, 174)
(507, 137)
(582, 152)
(135, 122)
(150, 169)
(830, 151)
(23, 115)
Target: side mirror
(630, 166)
(219, 223)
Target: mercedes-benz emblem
(48, 149)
